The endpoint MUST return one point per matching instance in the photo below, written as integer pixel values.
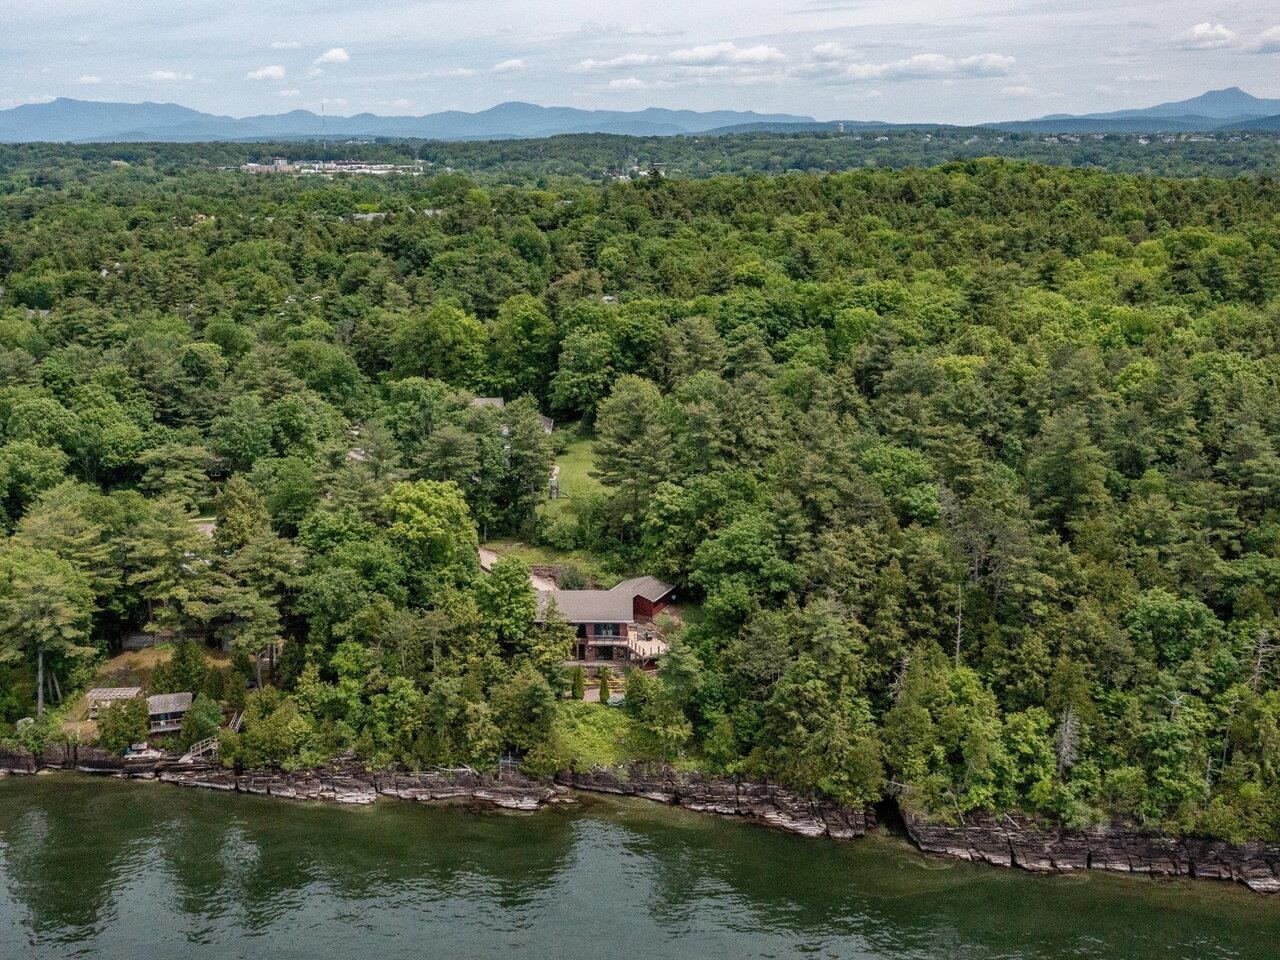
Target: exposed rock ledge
(353, 785)
(334, 783)
(1020, 841)
(766, 803)
(1008, 841)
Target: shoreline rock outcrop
(1017, 840)
(1005, 840)
(766, 803)
(333, 783)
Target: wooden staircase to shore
(204, 748)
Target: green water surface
(103, 868)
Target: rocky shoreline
(1010, 840)
(764, 803)
(334, 783)
(1014, 840)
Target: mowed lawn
(576, 482)
(576, 486)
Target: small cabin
(166, 710)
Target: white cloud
(1206, 36)
(291, 92)
(333, 55)
(1266, 42)
(828, 51)
(314, 72)
(401, 103)
(285, 45)
(1020, 90)
(168, 76)
(627, 84)
(1140, 78)
(933, 66)
(88, 79)
(273, 72)
(508, 66)
(456, 72)
(727, 52)
(626, 60)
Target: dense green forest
(972, 472)
(599, 157)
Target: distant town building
(328, 168)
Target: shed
(101, 697)
(649, 596)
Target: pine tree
(45, 608)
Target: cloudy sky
(944, 60)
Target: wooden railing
(203, 748)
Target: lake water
(104, 868)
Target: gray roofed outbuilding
(651, 588)
(107, 694)
(169, 703)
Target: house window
(606, 630)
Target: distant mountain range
(1231, 108)
(67, 120)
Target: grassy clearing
(592, 567)
(576, 486)
(576, 482)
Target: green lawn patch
(576, 482)
(591, 567)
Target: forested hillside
(973, 471)
(600, 157)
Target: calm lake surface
(104, 868)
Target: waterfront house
(99, 698)
(614, 627)
(166, 710)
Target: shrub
(121, 724)
(202, 721)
